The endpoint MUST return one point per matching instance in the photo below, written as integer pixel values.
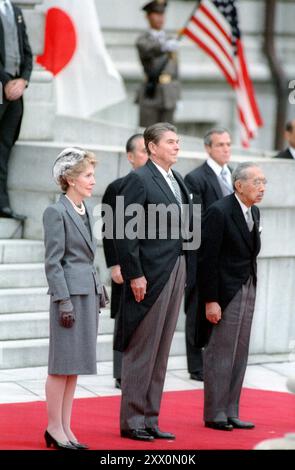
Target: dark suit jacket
(228, 256)
(26, 64)
(109, 247)
(202, 182)
(284, 154)
(152, 258)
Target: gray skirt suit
(70, 271)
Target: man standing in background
(15, 70)
(208, 183)
(160, 91)
(137, 157)
(290, 138)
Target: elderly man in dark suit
(208, 183)
(228, 274)
(154, 269)
(137, 156)
(290, 137)
(160, 91)
(15, 70)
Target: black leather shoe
(238, 424)
(8, 213)
(197, 376)
(118, 383)
(137, 434)
(157, 434)
(219, 425)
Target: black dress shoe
(79, 445)
(118, 383)
(57, 445)
(137, 434)
(197, 376)
(8, 213)
(238, 424)
(157, 434)
(219, 425)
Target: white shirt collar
(160, 34)
(243, 206)
(162, 171)
(216, 167)
(292, 151)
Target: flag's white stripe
(219, 16)
(215, 31)
(244, 101)
(198, 32)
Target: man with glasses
(228, 273)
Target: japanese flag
(85, 77)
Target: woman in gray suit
(76, 294)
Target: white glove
(170, 45)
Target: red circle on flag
(60, 41)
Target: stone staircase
(24, 302)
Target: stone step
(16, 326)
(34, 352)
(22, 275)
(21, 251)
(10, 228)
(24, 300)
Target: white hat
(68, 158)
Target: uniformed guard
(157, 52)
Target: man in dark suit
(228, 274)
(154, 270)
(137, 156)
(15, 71)
(290, 137)
(160, 91)
(208, 183)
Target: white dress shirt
(165, 175)
(244, 208)
(292, 151)
(218, 169)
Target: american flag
(214, 27)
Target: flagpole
(180, 31)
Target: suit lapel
(78, 221)
(239, 219)
(211, 176)
(160, 180)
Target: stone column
(39, 105)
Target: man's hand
(116, 274)
(213, 312)
(14, 89)
(138, 287)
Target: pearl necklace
(81, 210)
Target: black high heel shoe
(79, 445)
(58, 445)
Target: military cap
(157, 6)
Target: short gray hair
(214, 130)
(154, 133)
(241, 171)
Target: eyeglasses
(259, 181)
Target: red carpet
(96, 421)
